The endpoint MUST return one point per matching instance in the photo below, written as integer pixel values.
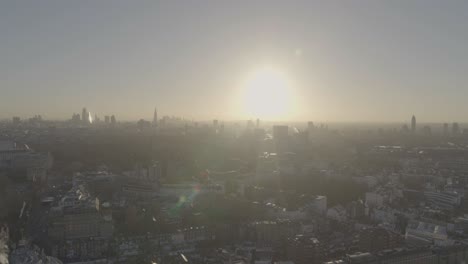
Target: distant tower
(113, 120)
(155, 117)
(310, 126)
(90, 118)
(446, 131)
(84, 116)
(280, 137)
(455, 129)
(413, 124)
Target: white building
(22, 158)
(426, 233)
(443, 200)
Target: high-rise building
(413, 124)
(455, 129)
(258, 122)
(90, 118)
(76, 118)
(143, 124)
(155, 117)
(107, 119)
(16, 120)
(84, 116)
(404, 128)
(112, 119)
(281, 138)
(310, 126)
(427, 130)
(446, 129)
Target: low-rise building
(305, 250)
(420, 232)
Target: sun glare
(267, 94)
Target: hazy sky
(348, 60)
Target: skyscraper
(84, 116)
(413, 124)
(280, 136)
(455, 129)
(446, 129)
(90, 118)
(155, 117)
(16, 120)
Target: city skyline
(344, 62)
(154, 116)
(247, 132)
(256, 186)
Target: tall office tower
(84, 116)
(155, 117)
(446, 129)
(107, 119)
(90, 118)
(455, 129)
(258, 122)
(76, 118)
(405, 129)
(16, 120)
(280, 136)
(215, 122)
(413, 124)
(112, 119)
(427, 130)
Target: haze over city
(273, 60)
(233, 132)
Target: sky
(361, 60)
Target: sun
(267, 94)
